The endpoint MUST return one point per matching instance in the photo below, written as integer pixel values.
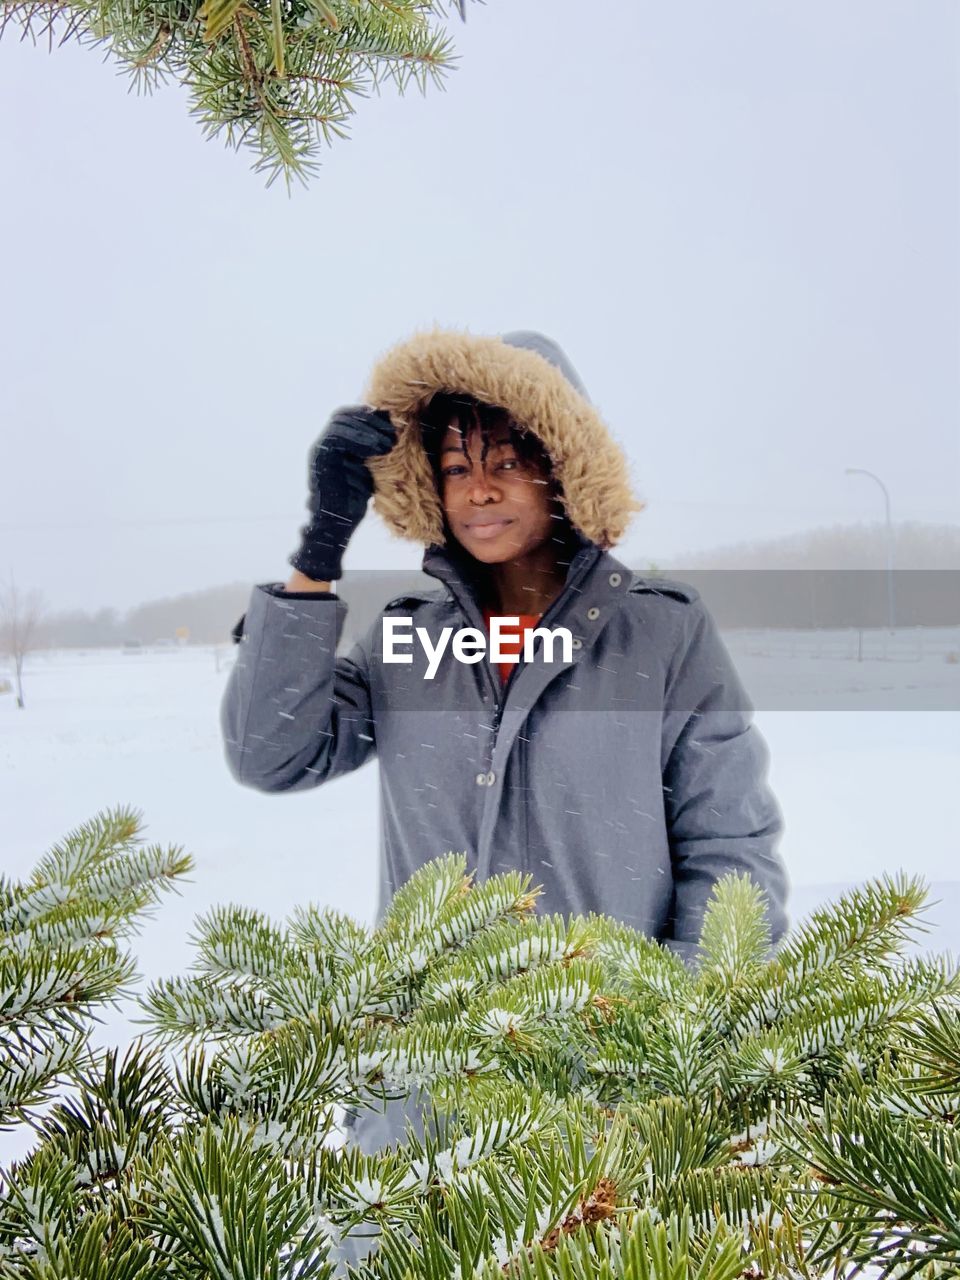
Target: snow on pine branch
(59, 953)
(578, 1100)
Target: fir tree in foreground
(597, 1108)
(60, 954)
(277, 76)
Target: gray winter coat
(626, 781)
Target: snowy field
(863, 789)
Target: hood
(523, 372)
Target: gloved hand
(340, 486)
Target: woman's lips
(488, 530)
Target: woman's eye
(458, 469)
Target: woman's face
(499, 508)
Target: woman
(626, 779)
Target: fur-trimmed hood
(525, 373)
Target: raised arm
(293, 714)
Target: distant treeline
(843, 546)
(751, 584)
(204, 617)
(832, 577)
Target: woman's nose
(482, 489)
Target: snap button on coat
(593, 613)
(614, 579)
(481, 779)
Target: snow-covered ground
(863, 790)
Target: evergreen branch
(181, 1008)
(99, 1249)
(217, 16)
(303, 995)
(835, 1020)
(459, 912)
(370, 989)
(735, 939)
(860, 928)
(138, 877)
(590, 1108)
(931, 1042)
(419, 1057)
(640, 967)
(303, 1065)
(32, 1060)
(76, 924)
(418, 904)
(88, 846)
(231, 1208)
(277, 76)
(129, 1096)
(559, 997)
(68, 981)
(335, 935)
(766, 1002)
(520, 948)
(237, 943)
(645, 1247)
(768, 1067)
(680, 1135)
(682, 1054)
(522, 1110)
(894, 1187)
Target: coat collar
(595, 583)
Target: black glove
(340, 487)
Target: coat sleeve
(721, 813)
(293, 714)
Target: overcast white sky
(740, 219)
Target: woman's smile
(488, 527)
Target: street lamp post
(859, 471)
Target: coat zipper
(497, 714)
